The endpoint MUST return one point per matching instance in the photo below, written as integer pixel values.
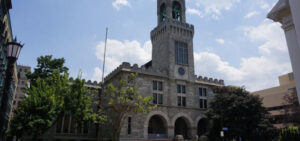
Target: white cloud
(220, 41)
(118, 52)
(119, 3)
(257, 72)
(213, 8)
(97, 76)
(193, 11)
(251, 14)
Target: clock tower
(172, 41)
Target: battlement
(209, 80)
(174, 27)
(87, 83)
(125, 66)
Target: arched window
(176, 11)
(163, 12)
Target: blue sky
(233, 39)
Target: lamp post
(13, 50)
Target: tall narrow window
(157, 85)
(129, 126)
(181, 101)
(181, 53)
(176, 11)
(203, 103)
(163, 13)
(202, 91)
(154, 98)
(160, 99)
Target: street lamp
(13, 50)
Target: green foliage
(241, 112)
(290, 134)
(52, 96)
(46, 66)
(124, 98)
(39, 111)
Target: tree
(124, 99)
(46, 66)
(242, 113)
(51, 96)
(39, 111)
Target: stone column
(171, 131)
(287, 12)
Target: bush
(290, 134)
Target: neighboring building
(274, 100)
(287, 12)
(66, 128)
(5, 37)
(23, 83)
(181, 96)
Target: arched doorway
(157, 128)
(181, 128)
(202, 127)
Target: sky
(233, 40)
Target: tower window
(163, 13)
(181, 53)
(176, 11)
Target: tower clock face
(181, 71)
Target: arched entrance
(181, 128)
(202, 127)
(157, 128)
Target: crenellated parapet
(87, 83)
(135, 68)
(209, 80)
(171, 26)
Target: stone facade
(182, 97)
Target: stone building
(23, 83)
(181, 96)
(275, 102)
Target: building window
(14, 103)
(25, 70)
(129, 126)
(203, 103)
(181, 53)
(157, 85)
(181, 89)
(20, 70)
(181, 101)
(23, 82)
(202, 92)
(157, 98)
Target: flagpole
(104, 55)
(102, 83)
